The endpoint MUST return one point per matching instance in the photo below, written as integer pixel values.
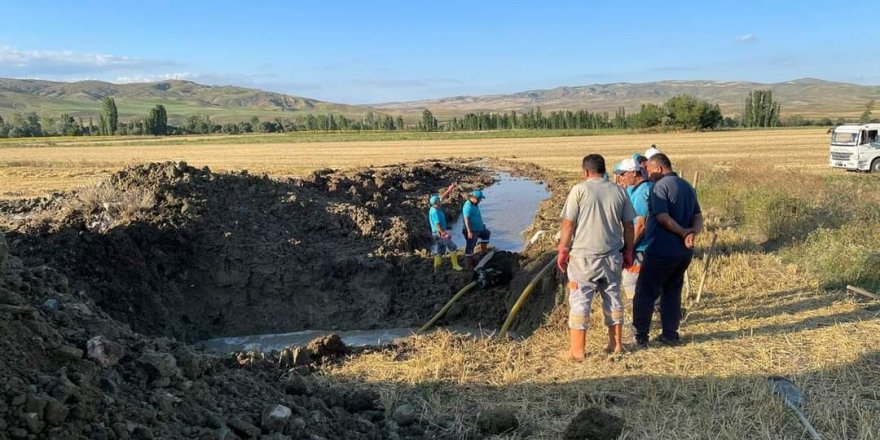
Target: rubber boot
(578, 342)
(438, 261)
(455, 266)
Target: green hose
(523, 297)
(445, 308)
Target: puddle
(508, 210)
(353, 338)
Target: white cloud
(142, 78)
(65, 62)
(746, 38)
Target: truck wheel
(875, 166)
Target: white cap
(629, 165)
(650, 152)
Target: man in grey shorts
(596, 244)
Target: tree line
(684, 112)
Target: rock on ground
(594, 424)
(497, 421)
(103, 351)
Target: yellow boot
(438, 261)
(455, 266)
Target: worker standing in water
(440, 232)
(474, 231)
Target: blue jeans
(482, 236)
(660, 277)
(443, 245)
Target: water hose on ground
(445, 308)
(525, 296)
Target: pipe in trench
(525, 296)
(445, 308)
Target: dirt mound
(169, 250)
(179, 251)
(69, 371)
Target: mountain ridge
(809, 97)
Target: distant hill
(807, 97)
(181, 98)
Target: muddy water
(353, 338)
(508, 210)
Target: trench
(508, 210)
(243, 258)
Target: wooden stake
(696, 180)
(687, 287)
(708, 260)
(861, 291)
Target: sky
(362, 52)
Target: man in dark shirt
(674, 220)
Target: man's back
(599, 208)
(674, 196)
(473, 214)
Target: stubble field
(33, 167)
(791, 233)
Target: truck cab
(856, 147)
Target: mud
(103, 288)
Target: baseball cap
(478, 194)
(435, 198)
(629, 165)
(617, 168)
(651, 151)
(638, 157)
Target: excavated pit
(93, 283)
(178, 251)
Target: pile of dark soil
(69, 371)
(111, 281)
(203, 255)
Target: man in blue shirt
(440, 232)
(674, 220)
(639, 191)
(474, 229)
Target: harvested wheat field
(29, 168)
(110, 287)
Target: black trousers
(660, 277)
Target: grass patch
(846, 255)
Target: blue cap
(638, 157)
(478, 194)
(435, 199)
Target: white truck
(855, 147)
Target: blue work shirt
(472, 213)
(674, 196)
(640, 196)
(435, 216)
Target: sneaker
(641, 342)
(665, 340)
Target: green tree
(111, 116)
(429, 122)
(67, 126)
(866, 115)
(760, 109)
(156, 122)
(686, 111)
